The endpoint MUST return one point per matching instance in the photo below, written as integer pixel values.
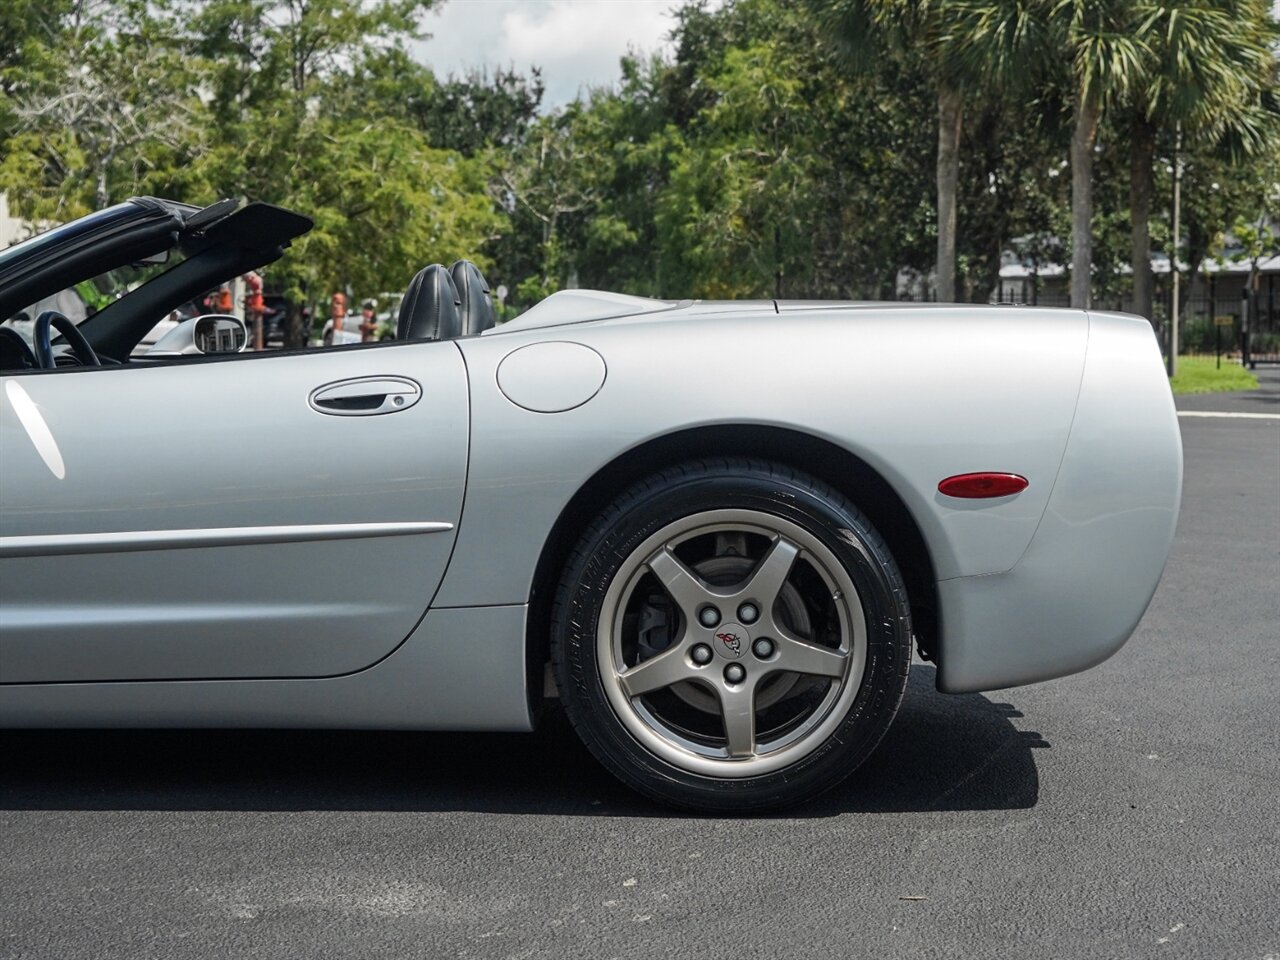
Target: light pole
(1173, 255)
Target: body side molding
(129, 540)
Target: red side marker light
(980, 486)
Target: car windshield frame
(132, 231)
(89, 224)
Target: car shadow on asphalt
(942, 753)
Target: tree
(1210, 68)
(740, 201)
(864, 30)
(550, 179)
(1107, 59)
(631, 141)
(942, 33)
(310, 104)
(479, 111)
(1010, 193)
(751, 161)
(112, 105)
(1255, 234)
(313, 108)
(754, 164)
(28, 31)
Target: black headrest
(430, 309)
(477, 303)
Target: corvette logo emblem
(732, 641)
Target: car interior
(206, 247)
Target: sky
(577, 43)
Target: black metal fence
(1211, 316)
(1210, 325)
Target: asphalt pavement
(1131, 811)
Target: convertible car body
(713, 530)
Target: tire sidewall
(671, 496)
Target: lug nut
(735, 673)
(763, 648)
(701, 654)
(748, 613)
(709, 616)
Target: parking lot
(1132, 811)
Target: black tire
(771, 489)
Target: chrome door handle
(365, 396)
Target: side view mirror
(213, 333)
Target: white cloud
(577, 43)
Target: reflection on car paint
(39, 432)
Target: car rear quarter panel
(918, 393)
(1092, 567)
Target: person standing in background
(255, 308)
(368, 321)
(337, 314)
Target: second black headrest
(478, 314)
(431, 309)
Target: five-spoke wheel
(758, 614)
(731, 635)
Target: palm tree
(1210, 66)
(863, 30)
(1202, 65)
(1017, 42)
(1108, 58)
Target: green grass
(1201, 375)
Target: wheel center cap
(731, 641)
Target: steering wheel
(75, 339)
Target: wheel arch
(832, 464)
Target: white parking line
(1227, 415)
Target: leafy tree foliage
(754, 160)
(313, 110)
(479, 111)
(303, 103)
(106, 99)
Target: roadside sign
(1227, 321)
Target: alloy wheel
(731, 643)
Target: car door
(286, 515)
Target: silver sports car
(713, 532)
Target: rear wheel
(731, 635)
